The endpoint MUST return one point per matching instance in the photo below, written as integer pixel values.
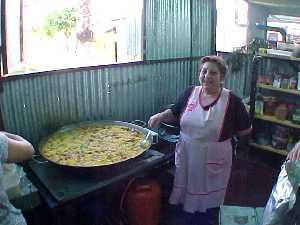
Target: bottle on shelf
(277, 80)
(259, 104)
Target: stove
(59, 184)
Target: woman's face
(210, 76)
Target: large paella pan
(96, 143)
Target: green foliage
(235, 62)
(57, 21)
(255, 44)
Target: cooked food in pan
(93, 145)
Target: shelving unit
(277, 57)
(268, 148)
(265, 118)
(272, 119)
(288, 91)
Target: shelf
(280, 57)
(270, 87)
(274, 120)
(269, 148)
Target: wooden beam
(3, 38)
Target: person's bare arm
(165, 116)
(19, 149)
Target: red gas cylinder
(143, 202)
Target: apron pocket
(216, 176)
(218, 165)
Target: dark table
(59, 186)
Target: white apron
(202, 163)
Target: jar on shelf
(281, 111)
(270, 103)
(293, 83)
(284, 82)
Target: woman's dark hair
(220, 62)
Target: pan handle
(37, 159)
(154, 137)
(139, 123)
(145, 125)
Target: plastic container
(143, 202)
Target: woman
(13, 148)
(209, 116)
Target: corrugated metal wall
(170, 25)
(167, 29)
(37, 105)
(202, 27)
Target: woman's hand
(155, 120)
(295, 153)
(165, 116)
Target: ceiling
(277, 3)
